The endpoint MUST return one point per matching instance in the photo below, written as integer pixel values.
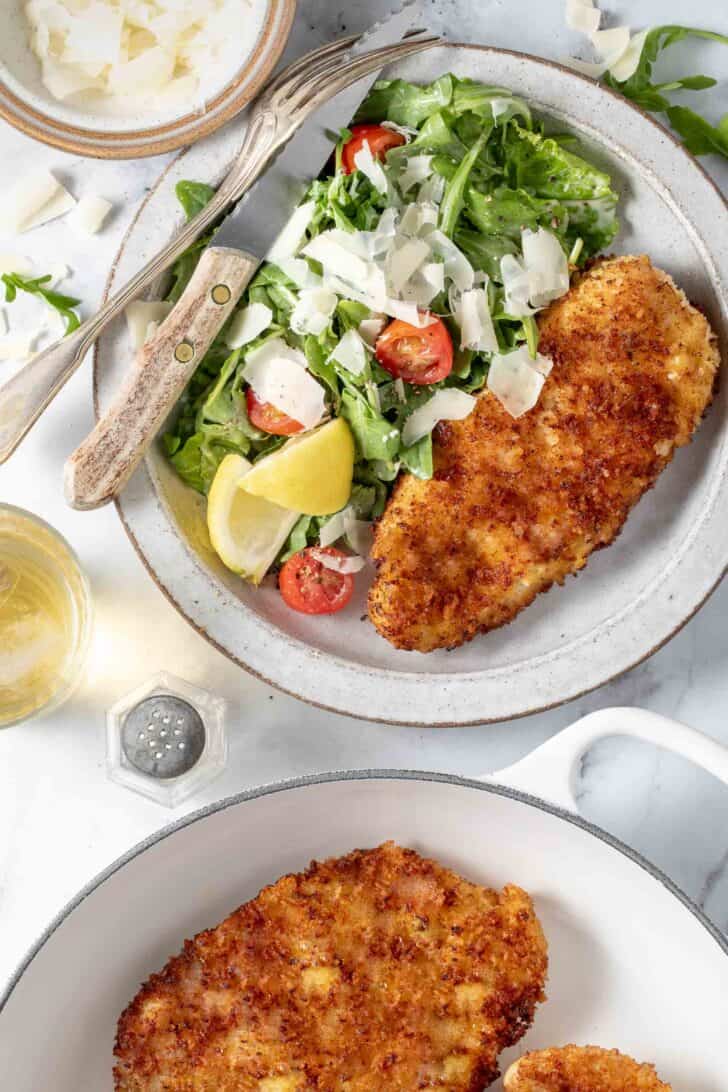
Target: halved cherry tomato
(379, 139)
(417, 354)
(267, 418)
(310, 587)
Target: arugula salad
(406, 281)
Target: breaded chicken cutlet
(376, 970)
(581, 1069)
(516, 505)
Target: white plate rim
(393, 696)
(335, 776)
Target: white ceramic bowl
(97, 131)
(630, 599)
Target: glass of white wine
(45, 616)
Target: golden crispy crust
(516, 505)
(376, 970)
(581, 1069)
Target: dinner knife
(104, 462)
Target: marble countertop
(61, 820)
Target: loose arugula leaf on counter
(698, 135)
(193, 196)
(38, 286)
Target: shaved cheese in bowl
(114, 54)
(248, 324)
(448, 404)
(516, 379)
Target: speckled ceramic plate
(630, 599)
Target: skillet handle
(551, 771)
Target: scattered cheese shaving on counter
(33, 200)
(248, 324)
(90, 213)
(516, 379)
(448, 404)
(140, 314)
(15, 263)
(582, 15)
(618, 52)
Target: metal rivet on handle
(184, 352)
(221, 294)
(147, 752)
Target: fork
(274, 117)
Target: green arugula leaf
(37, 286)
(698, 135)
(193, 196)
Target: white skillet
(633, 963)
(630, 599)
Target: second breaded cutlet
(581, 1069)
(381, 969)
(516, 505)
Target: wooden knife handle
(101, 466)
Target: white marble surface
(61, 821)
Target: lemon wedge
(246, 531)
(311, 474)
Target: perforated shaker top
(163, 736)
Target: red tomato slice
(267, 418)
(379, 139)
(309, 587)
(416, 354)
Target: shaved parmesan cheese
(287, 386)
(475, 321)
(352, 564)
(516, 380)
(313, 311)
(417, 169)
(610, 44)
(399, 389)
(587, 68)
(289, 240)
(275, 348)
(407, 131)
(248, 324)
(151, 71)
(370, 329)
(15, 263)
(404, 260)
(457, 266)
(582, 15)
(299, 271)
(408, 312)
(90, 213)
(140, 314)
(626, 66)
(432, 191)
(351, 352)
(32, 200)
(380, 239)
(17, 348)
(358, 532)
(546, 266)
(448, 404)
(365, 162)
(516, 286)
(335, 251)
